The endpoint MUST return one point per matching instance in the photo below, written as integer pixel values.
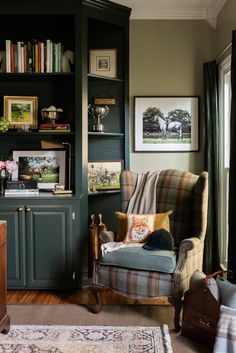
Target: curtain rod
(224, 50)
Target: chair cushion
(139, 258)
(161, 221)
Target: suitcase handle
(229, 272)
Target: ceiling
(175, 9)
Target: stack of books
(54, 128)
(21, 187)
(21, 192)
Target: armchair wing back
(184, 193)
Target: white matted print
(45, 166)
(166, 124)
(102, 62)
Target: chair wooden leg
(5, 324)
(178, 304)
(97, 307)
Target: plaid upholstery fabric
(226, 335)
(186, 194)
(135, 283)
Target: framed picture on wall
(166, 124)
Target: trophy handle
(107, 111)
(90, 110)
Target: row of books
(33, 56)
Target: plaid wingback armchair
(184, 193)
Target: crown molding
(213, 12)
(208, 13)
(167, 15)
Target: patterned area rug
(86, 339)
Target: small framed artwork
(104, 175)
(22, 111)
(166, 124)
(102, 62)
(46, 166)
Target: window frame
(224, 71)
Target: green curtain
(211, 163)
(232, 167)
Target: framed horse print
(166, 124)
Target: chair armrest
(189, 260)
(97, 239)
(189, 244)
(106, 236)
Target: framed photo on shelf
(102, 62)
(104, 175)
(166, 124)
(21, 111)
(48, 167)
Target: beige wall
(166, 58)
(226, 22)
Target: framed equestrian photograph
(21, 112)
(166, 124)
(48, 167)
(104, 175)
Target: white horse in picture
(175, 126)
(162, 126)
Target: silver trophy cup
(98, 113)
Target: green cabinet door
(49, 246)
(16, 266)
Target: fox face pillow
(139, 228)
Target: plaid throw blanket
(226, 331)
(143, 199)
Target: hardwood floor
(80, 297)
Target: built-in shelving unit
(47, 234)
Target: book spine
(22, 56)
(8, 55)
(12, 56)
(42, 56)
(19, 56)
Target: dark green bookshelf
(51, 225)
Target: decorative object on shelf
(98, 113)
(51, 115)
(67, 61)
(4, 124)
(104, 101)
(6, 170)
(2, 61)
(59, 189)
(166, 124)
(47, 167)
(102, 62)
(104, 175)
(21, 111)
